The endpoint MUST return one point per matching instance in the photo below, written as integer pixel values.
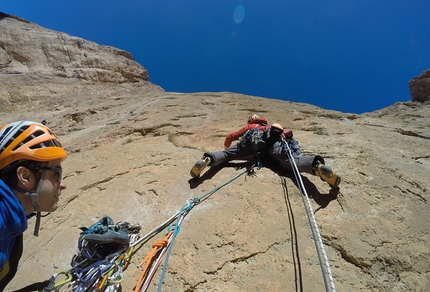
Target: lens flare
(239, 14)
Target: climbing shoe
(199, 166)
(328, 175)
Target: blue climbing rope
(184, 211)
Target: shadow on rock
(210, 173)
(322, 200)
(313, 193)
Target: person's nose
(63, 185)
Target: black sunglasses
(57, 170)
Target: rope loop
(161, 243)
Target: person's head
(252, 118)
(30, 164)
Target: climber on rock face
(259, 137)
(30, 183)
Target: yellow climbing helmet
(276, 129)
(26, 140)
(278, 126)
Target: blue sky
(346, 55)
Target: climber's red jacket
(261, 123)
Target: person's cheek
(48, 197)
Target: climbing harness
(256, 137)
(325, 268)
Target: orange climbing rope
(148, 259)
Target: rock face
(28, 48)
(131, 146)
(419, 87)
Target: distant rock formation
(26, 47)
(419, 87)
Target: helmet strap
(34, 197)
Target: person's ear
(25, 178)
